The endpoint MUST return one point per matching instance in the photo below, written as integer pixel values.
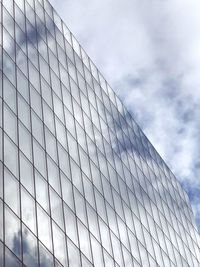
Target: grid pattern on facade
(80, 184)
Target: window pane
(105, 236)
(9, 67)
(70, 224)
(26, 174)
(25, 141)
(24, 112)
(36, 102)
(39, 158)
(1, 225)
(1, 254)
(53, 175)
(12, 232)
(41, 191)
(59, 243)
(30, 251)
(64, 160)
(28, 210)
(73, 254)
(10, 123)
(44, 228)
(10, 155)
(84, 240)
(51, 144)
(56, 208)
(80, 206)
(48, 117)
(11, 191)
(67, 191)
(37, 129)
(22, 85)
(11, 259)
(1, 177)
(97, 253)
(76, 175)
(46, 259)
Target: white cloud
(149, 50)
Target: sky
(149, 52)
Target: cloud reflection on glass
(81, 183)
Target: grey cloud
(151, 57)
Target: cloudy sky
(149, 52)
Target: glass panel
(46, 259)
(105, 236)
(80, 206)
(37, 129)
(93, 222)
(44, 228)
(11, 259)
(97, 253)
(89, 191)
(9, 68)
(24, 112)
(76, 175)
(100, 202)
(85, 261)
(19, 16)
(70, 224)
(53, 175)
(42, 191)
(1, 155)
(28, 210)
(64, 161)
(109, 261)
(73, 148)
(61, 133)
(12, 232)
(51, 144)
(11, 191)
(10, 155)
(1, 106)
(84, 162)
(46, 92)
(134, 246)
(36, 102)
(55, 83)
(73, 254)
(22, 85)
(67, 191)
(1, 254)
(1, 225)
(117, 250)
(84, 240)
(26, 174)
(58, 107)
(10, 123)
(56, 208)
(30, 250)
(48, 117)
(59, 243)
(34, 76)
(44, 68)
(39, 158)
(21, 58)
(67, 100)
(25, 141)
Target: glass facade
(80, 184)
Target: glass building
(80, 184)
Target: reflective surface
(80, 184)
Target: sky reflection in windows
(79, 181)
